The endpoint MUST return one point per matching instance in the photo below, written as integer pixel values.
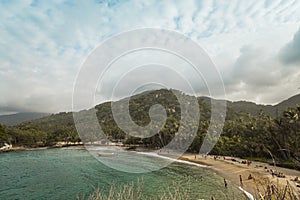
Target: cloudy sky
(254, 44)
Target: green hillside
(250, 130)
(245, 107)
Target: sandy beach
(231, 171)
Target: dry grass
(267, 190)
(125, 192)
(133, 191)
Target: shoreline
(24, 148)
(230, 170)
(226, 168)
(185, 158)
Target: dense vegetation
(41, 132)
(245, 134)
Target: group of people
(217, 157)
(277, 174)
(241, 180)
(248, 162)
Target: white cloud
(43, 43)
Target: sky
(254, 44)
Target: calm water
(72, 173)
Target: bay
(75, 173)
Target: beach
(231, 171)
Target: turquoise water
(72, 173)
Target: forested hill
(244, 107)
(250, 130)
(239, 107)
(289, 103)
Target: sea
(72, 173)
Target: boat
(107, 154)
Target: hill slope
(18, 118)
(289, 103)
(237, 107)
(243, 107)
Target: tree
(4, 136)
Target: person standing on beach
(225, 183)
(241, 181)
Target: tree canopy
(256, 135)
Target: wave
(172, 159)
(247, 194)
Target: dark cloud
(290, 54)
(12, 109)
(255, 67)
(260, 76)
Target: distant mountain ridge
(272, 110)
(239, 107)
(14, 119)
(233, 108)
